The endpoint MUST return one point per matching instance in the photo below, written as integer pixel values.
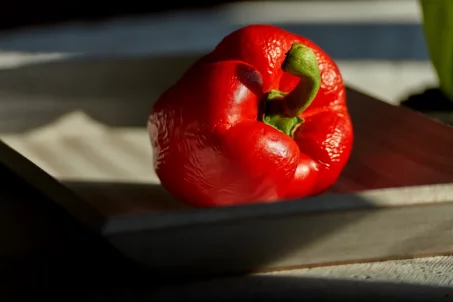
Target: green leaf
(438, 30)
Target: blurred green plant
(438, 30)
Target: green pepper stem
(283, 109)
(301, 62)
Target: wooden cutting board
(392, 201)
(393, 147)
(396, 153)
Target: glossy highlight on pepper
(262, 117)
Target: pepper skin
(263, 117)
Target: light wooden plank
(330, 229)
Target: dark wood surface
(395, 147)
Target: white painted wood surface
(76, 128)
(386, 80)
(71, 128)
(427, 279)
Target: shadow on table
(276, 288)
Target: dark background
(17, 14)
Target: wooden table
(407, 149)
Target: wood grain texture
(329, 229)
(325, 230)
(394, 147)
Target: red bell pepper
(261, 118)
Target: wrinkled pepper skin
(210, 142)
